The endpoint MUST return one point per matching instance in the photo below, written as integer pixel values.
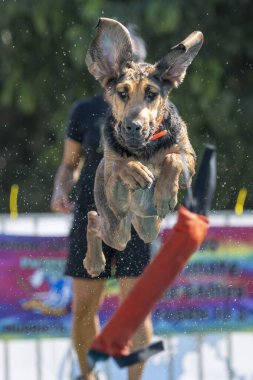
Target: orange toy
(184, 239)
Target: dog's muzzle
(133, 134)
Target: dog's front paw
(165, 200)
(136, 175)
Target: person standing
(83, 141)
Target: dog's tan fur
(137, 182)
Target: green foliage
(42, 71)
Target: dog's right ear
(111, 47)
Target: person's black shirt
(85, 126)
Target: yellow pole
(240, 201)
(14, 201)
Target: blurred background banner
(34, 296)
(213, 293)
(215, 290)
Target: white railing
(188, 357)
(50, 224)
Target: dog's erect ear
(173, 66)
(111, 47)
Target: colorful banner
(34, 296)
(213, 293)
(215, 290)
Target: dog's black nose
(132, 127)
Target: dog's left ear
(173, 66)
(111, 47)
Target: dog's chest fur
(172, 124)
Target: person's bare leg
(143, 335)
(87, 296)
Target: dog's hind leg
(94, 261)
(105, 227)
(147, 227)
(115, 229)
(115, 234)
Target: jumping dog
(146, 142)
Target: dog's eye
(150, 95)
(123, 95)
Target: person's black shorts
(128, 263)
